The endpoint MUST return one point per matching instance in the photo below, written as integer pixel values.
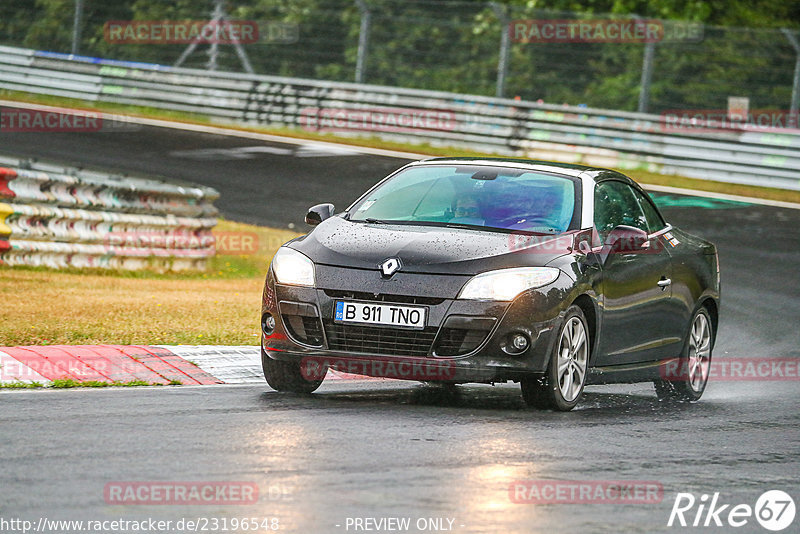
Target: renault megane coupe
(493, 270)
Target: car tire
(562, 385)
(693, 365)
(286, 376)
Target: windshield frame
(574, 224)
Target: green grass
(64, 383)
(136, 383)
(67, 383)
(219, 306)
(18, 384)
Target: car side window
(654, 220)
(615, 204)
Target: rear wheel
(562, 385)
(690, 381)
(286, 376)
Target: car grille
(383, 297)
(377, 340)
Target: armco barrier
(84, 219)
(767, 157)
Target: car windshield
(497, 198)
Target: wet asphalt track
(385, 449)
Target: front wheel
(286, 376)
(562, 385)
(689, 382)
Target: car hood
(426, 249)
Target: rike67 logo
(774, 510)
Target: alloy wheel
(699, 359)
(572, 358)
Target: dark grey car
(489, 270)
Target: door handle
(664, 283)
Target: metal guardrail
(65, 218)
(625, 140)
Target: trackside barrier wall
(625, 140)
(84, 219)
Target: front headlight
(293, 268)
(506, 284)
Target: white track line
(232, 365)
(217, 130)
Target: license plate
(382, 314)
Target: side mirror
(626, 239)
(317, 214)
(592, 258)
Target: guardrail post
(363, 40)
(647, 75)
(502, 61)
(76, 27)
(796, 84)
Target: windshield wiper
(371, 221)
(462, 225)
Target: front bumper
(463, 341)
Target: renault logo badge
(389, 267)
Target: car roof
(569, 169)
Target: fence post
(363, 40)
(76, 27)
(796, 84)
(647, 75)
(502, 61)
